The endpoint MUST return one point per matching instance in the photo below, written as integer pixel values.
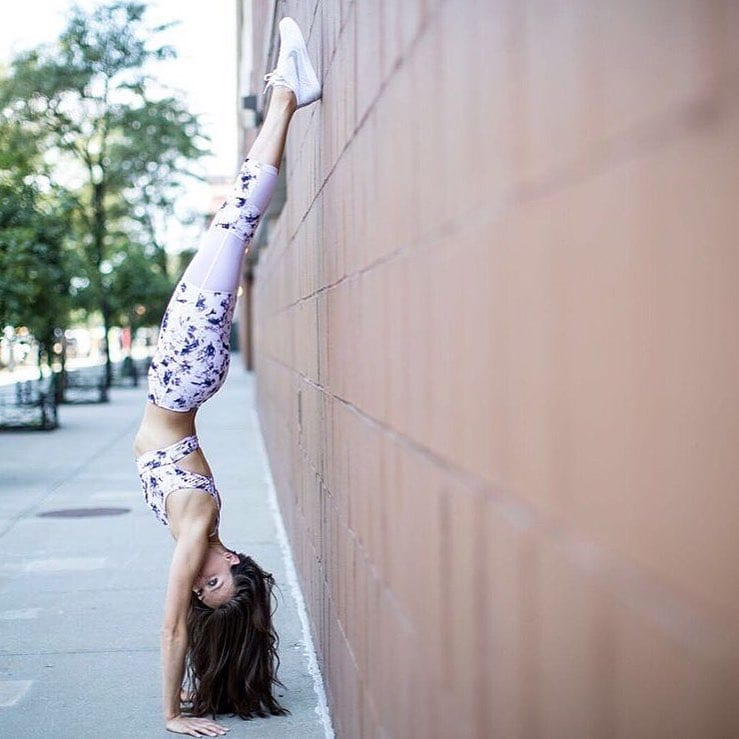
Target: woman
(217, 612)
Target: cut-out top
(160, 476)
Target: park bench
(82, 387)
(28, 405)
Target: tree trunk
(63, 353)
(11, 358)
(40, 359)
(132, 332)
(99, 229)
(105, 308)
(61, 377)
(162, 259)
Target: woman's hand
(195, 726)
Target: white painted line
(11, 691)
(292, 579)
(22, 614)
(65, 564)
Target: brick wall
(497, 359)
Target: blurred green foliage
(93, 151)
(34, 265)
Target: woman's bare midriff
(160, 428)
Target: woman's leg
(192, 356)
(270, 142)
(217, 263)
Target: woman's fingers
(194, 726)
(208, 728)
(200, 731)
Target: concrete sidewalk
(81, 598)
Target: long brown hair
(232, 656)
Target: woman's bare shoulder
(192, 511)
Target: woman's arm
(189, 553)
(186, 562)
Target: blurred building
(494, 334)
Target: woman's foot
(294, 69)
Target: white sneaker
(294, 68)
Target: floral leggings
(192, 356)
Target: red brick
(409, 18)
(461, 569)
(526, 364)
(329, 27)
(665, 688)
(577, 650)
(427, 207)
(641, 76)
(394, 166)
(369, 19)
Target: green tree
(121, 140)
(35, 265)
(139, 288)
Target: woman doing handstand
(217, 612)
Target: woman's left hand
(195, 726)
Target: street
(81, 597)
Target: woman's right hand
(195, 726)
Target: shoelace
(272, 78)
